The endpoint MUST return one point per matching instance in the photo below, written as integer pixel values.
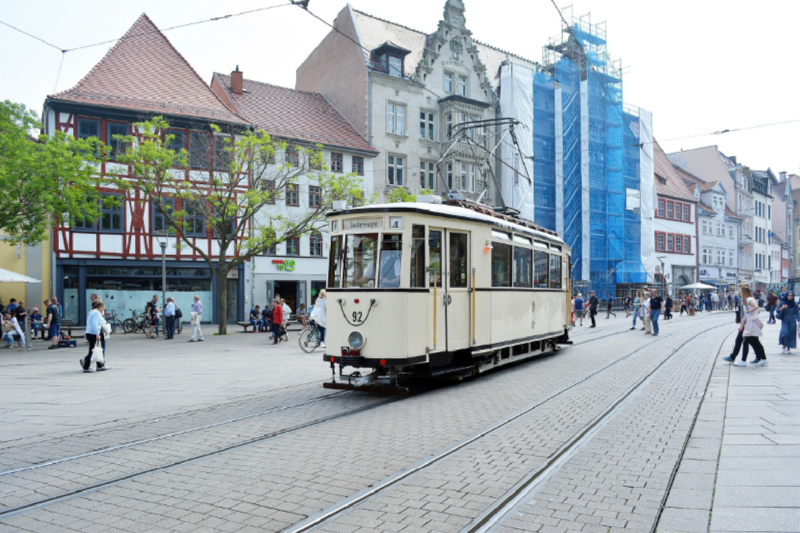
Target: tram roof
(449, 211)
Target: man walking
(668, 308)
(579, 307)
(277, 321)
(655, 310)
(772, 304)
(53, 322)
(169, 314)
(609, 305)
(197, 312)
(593, 303)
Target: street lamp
(161, 237)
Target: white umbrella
(696, 286)
(6, 276)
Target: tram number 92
(358, 317)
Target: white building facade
(762, 232)
(718, 238)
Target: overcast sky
(699, 65)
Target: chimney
(236, 81)
(783, 177)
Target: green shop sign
(287, 265)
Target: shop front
(296, 279)
(723, 278)
(126, 286)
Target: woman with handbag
(95, 334)
(751, 329)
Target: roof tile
(144, 72)
(671, 184)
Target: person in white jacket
(11, 324)
(95, 333)
(319, 315)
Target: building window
(291, 157)
(88, 128)
(462, 86)
(427, 174)
(194, 221)
(669, 209)
(449, 176)
(730, 232)
(449, 121)
(730, 258)
(198, 150)
(358, 165)
(721, 257)
(269, 187)
(178, 141)
(687, 245)
(112, 209)
(395, 168)
(448, 82)
(293, 246)
(661, 208)
(315, 245)
(313, 196)
(271, 250)
(117, 146)
(395, 65)
(686, 216)
(706, 256)
(670, 241)
(160, 223)
(222, 152)
(426, 125)
(293, 195)
(660, 242)
(678, 244)
(336, 163)
(395, 119)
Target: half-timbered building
(118, 256)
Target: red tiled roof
(671, 184)
(705, 187)
(731, 213)
(292, 114)
(685, 176)
(144, 72)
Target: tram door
(457, 288)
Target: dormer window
(394, 66)
(391, 59)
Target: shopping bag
(195, 321)
(107, 329)
(97, 354)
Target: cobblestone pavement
(272, 483)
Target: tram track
(505, 503)
(88, 488)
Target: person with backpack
(593, 304)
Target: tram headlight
(356, 340)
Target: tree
(232, 201)
(44, 179)
(400, 195)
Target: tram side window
(335, 262)
(458, 260)
(417, 256)
(540, 268)
(555, 272)
(391, 261)
(360, 260)
(435, 254)
(501, 265)
(522, 266)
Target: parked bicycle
(136, 323)
(309, 337)
(114, 321)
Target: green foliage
(400, 194)
(43, 178)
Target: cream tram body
(501, 291)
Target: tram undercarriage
(386, 376)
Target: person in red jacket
(277, 321)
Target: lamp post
(161, 236)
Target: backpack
(178, 313)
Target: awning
(696, 286)
(6, 276)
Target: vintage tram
(427, 289)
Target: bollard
(27, 332)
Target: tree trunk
(222, 297)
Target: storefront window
(360, 260)
(125, 294)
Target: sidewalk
(740, 471)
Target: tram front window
(391, 261)
(360, 260)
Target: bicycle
(309, 338)
(114, 321)
(137, 322)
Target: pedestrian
(609, 305)
(751, 327)
(655, 310)
(265, 314)
(169, 315)
(580, 307)
(789, 315)
(626, 303)
(255, 319)
(11, 329)
(197, 313)
(302, 315)
(644, 314)
(277, 321)
(593, 303)
(151, 310)
(53, 322)
(95, 331)
(668, 308)
(637, 306)
(287, 313)
(319, 315)
(772, 306)
(737, 345)
(684, 305)
(36, 323)
(20, 313)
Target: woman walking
(751, 330)
(319, 315)
(789, 315)
(644, 314)
(94, 334)
(637, 305)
